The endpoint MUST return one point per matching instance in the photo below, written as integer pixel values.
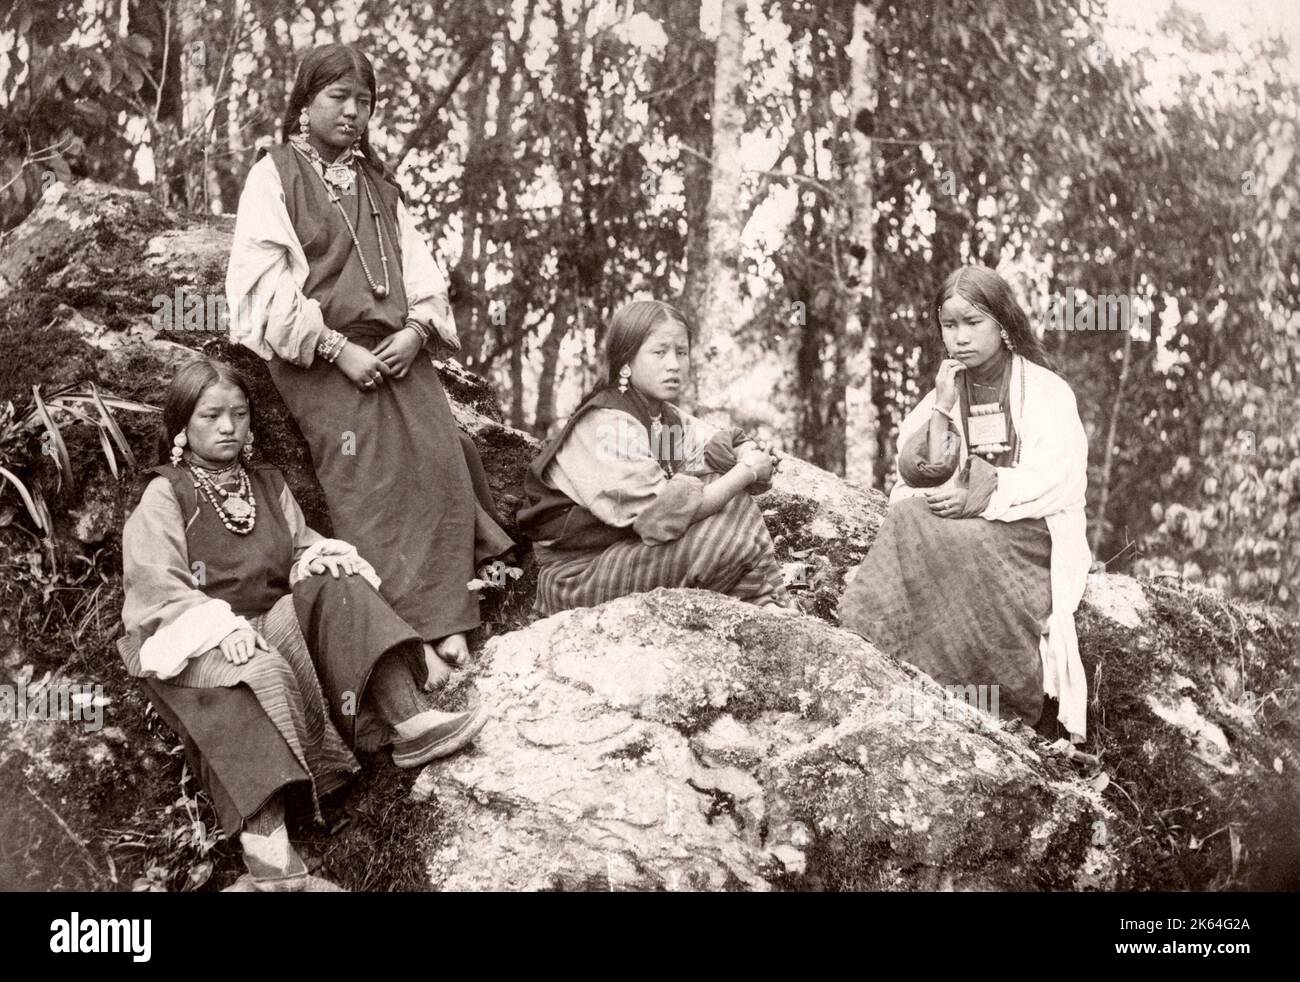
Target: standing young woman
(976, 572)
(635, 494)
(331, 282)
(232, 607)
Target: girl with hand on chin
(330, 281)
(635, 494)
(233, 605)
(975, 574)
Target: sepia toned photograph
(651, 446)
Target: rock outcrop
(684, 740)
(670, 740)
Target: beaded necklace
(312, 157)
(236, 508)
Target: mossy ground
(100, 811)
(1175, 837)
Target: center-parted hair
(321, 67)
(985, 289)
(187, 388)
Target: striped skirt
(964, 600)
(729, 552)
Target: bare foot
(439, 670)
(453, 650)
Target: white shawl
(1050, 483)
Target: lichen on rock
(671, 740)
(680, 739)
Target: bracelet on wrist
(331, 345)
(419, 329)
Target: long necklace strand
(375, 288)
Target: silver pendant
(987, 426)
(236, 508)
(340, 176)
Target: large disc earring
(178, 448)
(624, 374)
(247, 452)
(304, 123)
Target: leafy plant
(83, 403)
(177, 856)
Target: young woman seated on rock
(977, 570)
(635, 494)
(232, 607)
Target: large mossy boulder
(684, 740)
(669, 740)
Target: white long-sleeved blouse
(608, 466)
(268, 268)
(1051, 483)
(168, 615)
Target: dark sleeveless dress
(394, 467)
(232, 718)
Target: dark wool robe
(394, 467)
(255, 729)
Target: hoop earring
(304, 123)
(247, 452)
(179, 442)
(624, 374)
(1006, 339)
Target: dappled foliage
(562, 157)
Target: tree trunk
(862, 300)
(715, 348)
(197, 104)
(1103, 496)
(225, 183)
(684, 81)
(517, 386)
(473, 261)
(544, 417)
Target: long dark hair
(985, 289)
(630, 326)
(187, 388)
(321, 67)
(627, 331)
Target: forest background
(799, 178)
